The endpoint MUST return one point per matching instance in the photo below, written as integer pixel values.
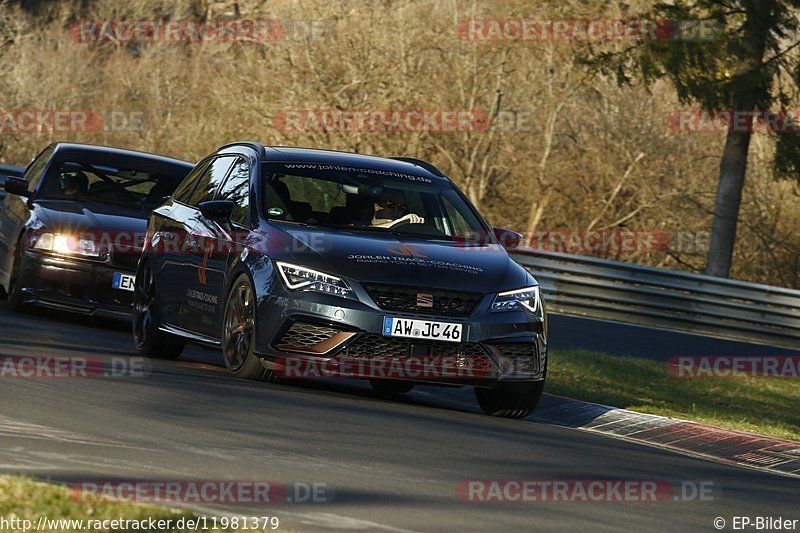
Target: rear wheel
(16, 300)
(389, 386)
(150, 340)
(239, 333)
(516, 400)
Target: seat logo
(424, 299)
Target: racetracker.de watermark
(582, 242)
(35, 121)
(733, 120)
(598, 30)
(236, 492)
(733, 366)
(532, 491)
(399, 367)
(380, 121)
(134, 242)
(72, 367)
(197, 31)
(596, 241)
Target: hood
(68, 215)
(403, 260)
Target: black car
(71, 226)
(301, 262)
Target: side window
(186, 187)
(34, 171)
(459, 225)
(237, 189)
(210, 180)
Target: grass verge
(769, 406)
(25, 499)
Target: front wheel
(239, 333)
(150, 340)
(510, 401)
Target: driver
(391, 209)
(73, 183)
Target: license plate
(123, 281)
(422, 329)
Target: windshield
(136, 181)
(367, 200)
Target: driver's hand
(410, 218)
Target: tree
(727, 56)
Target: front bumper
(75, 285)
(312, 334)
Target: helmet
(73, 182)
(391, 204)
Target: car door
(15, 212)
(198, 305)
(170, 223)
(219, 243)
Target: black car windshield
(130, 180)
(372, 200)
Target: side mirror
(17, 186)
(217, 210)
(509, 239)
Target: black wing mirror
(509, 239)
(217, 210)
(17, 186)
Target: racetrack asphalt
(390, 464)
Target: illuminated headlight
(66, 245)
(528, 299)
(304, 279)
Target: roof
(61, 146)
(334, 157)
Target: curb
(728, 446)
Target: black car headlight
(299, 278)
(528, 299)
(64, 244)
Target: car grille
(126, 260)
(303, 334)
(311, 338)
(521, 356)
(371, 344)
(403, 298)
(374, 347)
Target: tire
(149, 339)
(510, 401)
(16, 299)
(239, 333)
(390, 386)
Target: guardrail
(635, 294)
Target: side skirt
(188, 335)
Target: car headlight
(60, 243)
(528, 299)
(305, 279)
